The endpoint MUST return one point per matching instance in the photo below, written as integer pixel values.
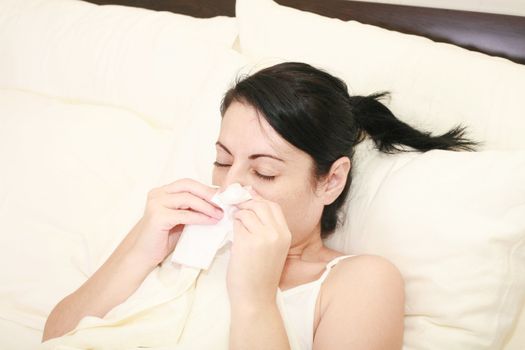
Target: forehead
(243, 129)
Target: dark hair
(312, 110)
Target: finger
(186, 217)
(278, 214)
(191, 186)
(269, 212)
(261, 208)
(249, 220)
(185, 200)
(239, 229)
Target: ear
(335, 180)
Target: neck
(307, 249)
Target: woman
(289, 131)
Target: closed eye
(264, 177)
(261, 176)
(221, 164)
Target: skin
(277, 244)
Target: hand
(168, 209)
(260, 245)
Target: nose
(234, 174)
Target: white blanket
(175, 307)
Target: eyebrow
(253, 156)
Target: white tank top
(299, 306)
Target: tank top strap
(331, 264)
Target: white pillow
(195, 152)
(454, 224)
(150, 62)
(434, 85)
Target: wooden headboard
(494, 34)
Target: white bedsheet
(176, 307)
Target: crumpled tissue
(198, 244)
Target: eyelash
(262, 177)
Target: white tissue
(198, 244)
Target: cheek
(301, 208)
(302, 215)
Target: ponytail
(388, 132)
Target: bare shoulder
(358, 270)
(368, 278)
(361, 295)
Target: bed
(97, 106)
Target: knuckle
(186, 181)
(179, 198)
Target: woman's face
(250, 152)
